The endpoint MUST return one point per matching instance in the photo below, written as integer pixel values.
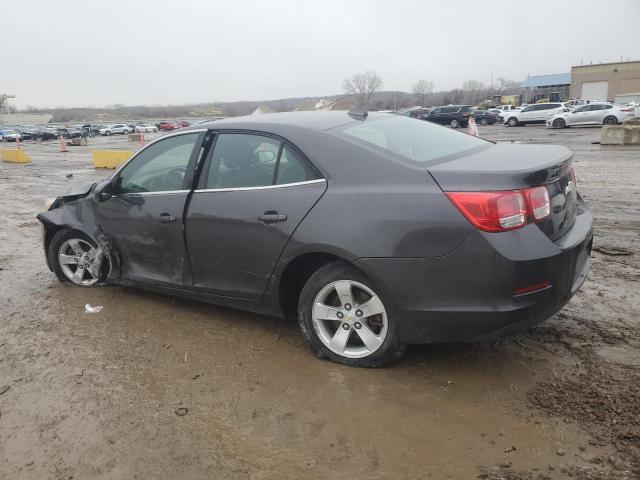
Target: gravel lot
(160, 387)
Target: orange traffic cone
(63, 145)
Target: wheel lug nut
(340, 315)
(358, 313)
(358, 325)
(345, 326)
(347, 307)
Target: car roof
(307, 120)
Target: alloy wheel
(77, 259)
(454, 124)
(350, 319)
(610, 121)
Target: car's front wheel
(345, 320)
(513, 122)
(75, 259)
(559, 123)
(108, 133)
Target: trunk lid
(515, 167)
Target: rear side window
(292, 168)
(247, 160)
(416, 140)
(241, 160)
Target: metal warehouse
(605, 80)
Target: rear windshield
(417, 140)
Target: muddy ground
(159, 387)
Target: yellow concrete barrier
(14, 155)
(110, 158)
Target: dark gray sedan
(374, 231)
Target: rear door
(253, 191)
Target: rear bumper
(470, 293)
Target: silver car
(594, 113)
(120, 128)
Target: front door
(252, 193)
(143, 220)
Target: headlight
(48, 203)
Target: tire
(513, 122)
(610, 120)
(484, 122)
(454, 123)
(559, 123)
(64, 242)
(322, 288)
(108, 133)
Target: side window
(606, 107)
(241, 160)
(528, 109)
(436, 111)
(580, 109)
(292, 168)
(160, 167)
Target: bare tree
(362, 86)
(421, 89)
(473, 85)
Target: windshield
(417, 140)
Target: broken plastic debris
(90, 309)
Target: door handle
(166, 218)
(272, 217)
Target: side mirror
(103, 191)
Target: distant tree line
(364, 88)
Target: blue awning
(534, 81)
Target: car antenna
(358, 113)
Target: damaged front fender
(77, 210)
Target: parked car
(367, 252)
(9, 135)
(595, 113)
(501, 110)
(183, 123)
(537, 113)
(484, 117)
(167, 126)
(453, 115)
(69, 132)
(145, 127)
(118, 128)
(418, 113)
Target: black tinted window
(292, 168)
(241, 160)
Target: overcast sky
(137, 52)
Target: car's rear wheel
(610, 120)
(75, 259)
(513, 122)
(345, 320)
(559, 123)
(454, 123)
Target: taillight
(539, 202)
(504, 210)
